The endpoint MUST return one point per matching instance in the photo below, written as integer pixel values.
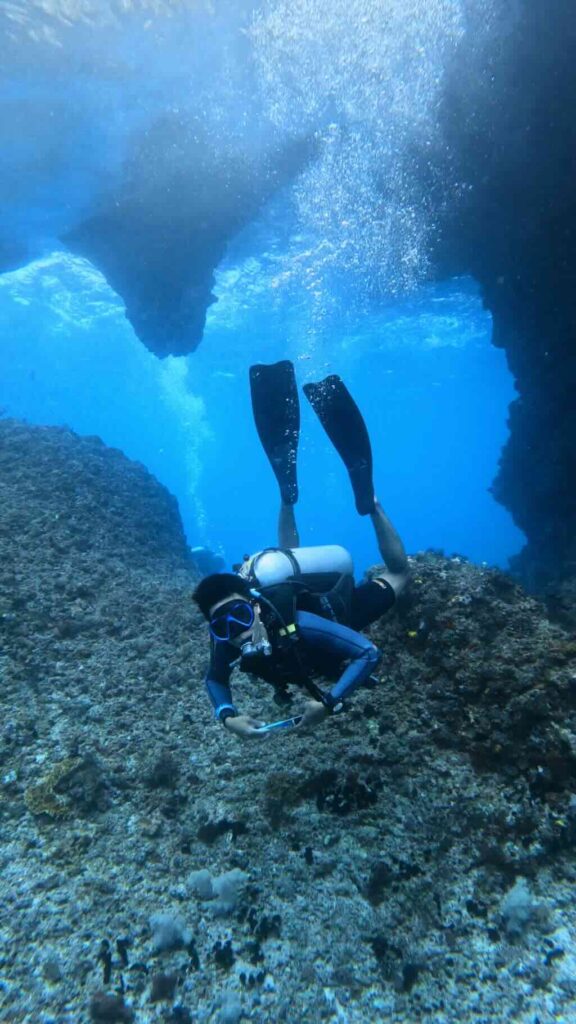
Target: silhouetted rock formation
(511, 222)
(160, 238)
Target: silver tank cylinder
(274, 566)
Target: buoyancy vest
(318, 580)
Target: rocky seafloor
(411, 861)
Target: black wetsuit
(325, 646)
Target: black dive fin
(343, 422)
(277, 416)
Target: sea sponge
(168, 932)
(225, 890)
(520, 910)
(228, 890)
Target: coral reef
(412, 859)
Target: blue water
(433, 390)
(316, 277)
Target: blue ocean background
(432, 388)
(329, 273)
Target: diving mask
(231, 620)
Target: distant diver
(288, 614)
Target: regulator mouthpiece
(252, 649)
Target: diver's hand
(314, 713)
(245, 727)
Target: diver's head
(219, 587)
(232, 612)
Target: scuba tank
(315, 579)
(317, 567)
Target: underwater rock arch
(508, 121)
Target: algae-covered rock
(370, 859)
(43, 798)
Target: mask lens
(219, 628)
(235, 629)
(232, 620)
(241, 612)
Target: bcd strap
(289, 630)
(279, 609)
(280, 599)
(339, 598)
(296, 573)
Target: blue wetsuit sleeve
(218, 677)
(343, 643)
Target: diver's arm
(347, 645)
(220, 694)
(343, 643)
(218, 681)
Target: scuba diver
(291, 612)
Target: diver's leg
(287, 529)
(373, 598)
(389, 543)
